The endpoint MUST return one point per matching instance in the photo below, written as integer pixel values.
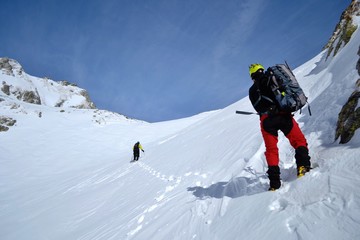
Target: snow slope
(66, 175)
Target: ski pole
(246, 113)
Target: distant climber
(136, 149)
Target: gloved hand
(142, 150)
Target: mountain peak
(20, 86)
(10, 67)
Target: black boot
(274, 177)
(302, 161)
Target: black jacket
(266, 103)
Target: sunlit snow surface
(67, 174)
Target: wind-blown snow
(67, 175)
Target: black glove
(142, 150)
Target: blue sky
(159, 60)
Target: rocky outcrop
(349, 119)
(22, 95)
(343, 30)
(5, 88)
(5, 123)
(349, 116)
(66, 83)
(10, 67)
(89, 103)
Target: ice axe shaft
(246, 113)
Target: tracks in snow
(163, 196)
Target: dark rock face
(349, 116)
(5, 123)
(23, 95)
(349, 119)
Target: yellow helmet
(254, 67)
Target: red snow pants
(270, 125)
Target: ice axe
(246, 113)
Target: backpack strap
(272, 82)
(261, 96)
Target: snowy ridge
(67, 175)
(19, 85)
